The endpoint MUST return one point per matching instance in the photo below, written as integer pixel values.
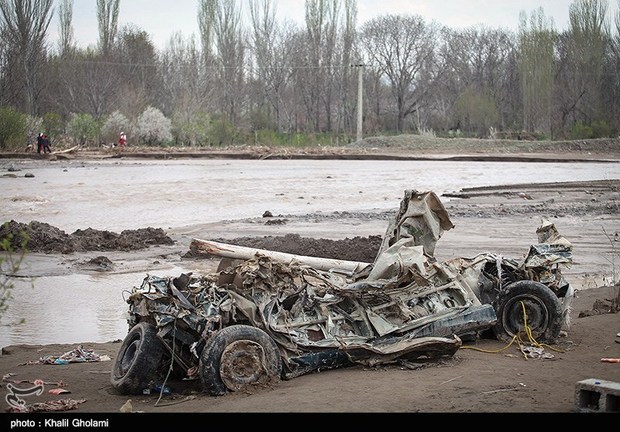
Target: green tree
(13, 128)
(83, 129)
(53, 124)
(581, 98)
(222, 132)
(192, 131)
(476, 111)
(138, 68)
(10, 260)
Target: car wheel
(138, 360)
(543, 312)
(237, 357)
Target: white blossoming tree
(114, 125)
(153, 127)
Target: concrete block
(595, 395)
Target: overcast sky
(162, 18)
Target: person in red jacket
(46, 144)
(122, 140)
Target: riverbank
(400, 147)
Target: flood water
(131, 194)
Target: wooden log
(206, 247)
(69, 150)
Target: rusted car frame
(272, 316)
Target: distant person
(40, 143)
(122, 140)
(46, 144)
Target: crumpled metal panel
(301, 308)
(404, 305)
(422, 217)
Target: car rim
(242, 363)
(536, 316)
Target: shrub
(597, 129)
(600, 129)
(83, 129)
(9, 265)
(192, 131)
(153, 128)
(113, 126)
(222, 133)
(580, 130)
(53, 124)
(13, 128)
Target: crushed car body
(265, 316)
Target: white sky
(162, 18)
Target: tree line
(248, 77)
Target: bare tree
(206, 22)
(66, 43)
(107, 18)
(321, 17)
(230, 57)
(183, 92)
(536, 61)
(91, 82)
(346, 82)
(23, 28)
(91, 85)
(273, 54)
(401, 47)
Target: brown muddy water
(172, 194)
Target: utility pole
(360, 99)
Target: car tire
(238, 357)
(138, 361)
(543, 312)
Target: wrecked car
(265, 316)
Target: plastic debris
(127, 407)
(536, 352)
(8, 378)
(57, 405)
(77, 355)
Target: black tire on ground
(237, 357)
(543, 312)
(138, 361)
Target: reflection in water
(68, 309)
